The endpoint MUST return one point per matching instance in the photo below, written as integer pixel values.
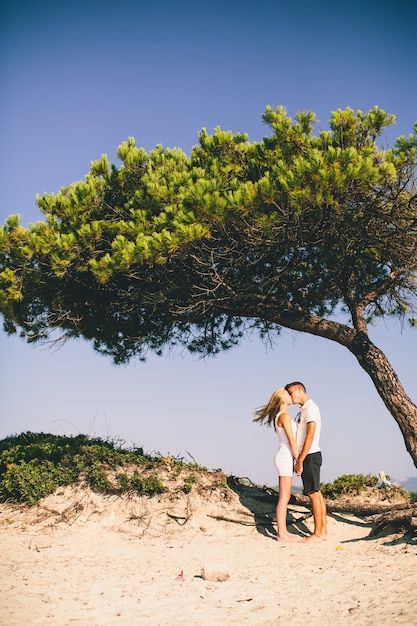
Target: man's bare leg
(325, 534)
(319, 515)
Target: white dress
(283, 461)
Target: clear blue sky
(77, 79)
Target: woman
(276, 413)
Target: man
(309, 461)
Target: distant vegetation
(34, 465)
(351, 485)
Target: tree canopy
(313, 231)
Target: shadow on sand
(262, 502)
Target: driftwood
(397, 521)
(232, 520)
(180, 519)
(354, 506)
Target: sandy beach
(82, 558)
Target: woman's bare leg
(285, 484)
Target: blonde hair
(269, 412)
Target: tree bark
(389, 388)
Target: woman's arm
(286, 423)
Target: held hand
(298, 468)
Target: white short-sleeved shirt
(309, 412)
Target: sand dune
(82, 558)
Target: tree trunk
(389, 388)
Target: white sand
(88, 564)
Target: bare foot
(312, 539)
(288, 538)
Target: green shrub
(189, 481)
(33, 465)
(97, 478)
(30, 481)
(348, 485)
(354, 484)
(413, 496)
(149, 485)
(143, 485)
(123, 482)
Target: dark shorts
(311, 473)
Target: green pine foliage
(167, 249)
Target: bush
(348, 485)
(123, 482)
(146, 485)
(351, 485)
(30, 481)
(33, 466)
(97, 478)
